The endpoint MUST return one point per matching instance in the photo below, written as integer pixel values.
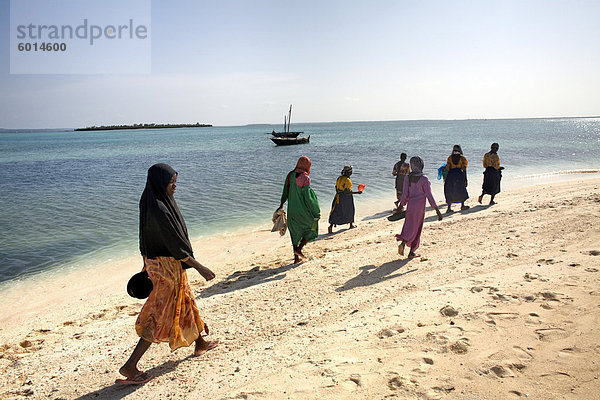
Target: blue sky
(241, 62)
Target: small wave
(558, 173)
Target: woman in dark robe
(455, 185)
(170, 314)
(342, 207)
(492, 174)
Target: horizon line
(324, 122)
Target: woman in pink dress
(415, 189)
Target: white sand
(355, 321)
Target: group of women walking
(415, 188)
(170, 313)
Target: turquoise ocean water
(71, 198)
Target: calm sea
(71, 198)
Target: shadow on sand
(244, 279)
(471, 210)
(116, 391)
(378, 215)
(371, 274)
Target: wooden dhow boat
(289, 141)
(287, 137)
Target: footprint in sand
(546, 261)
(24, 346)
(529, 276)
(99, 315)
(449, 311)
(352, 383)
(517, 393)
(436, 338)
(522, 354)
(395, 383)
(568, 352)
(551, 334)
(505, 370)
(534, 319)
(550, 296)
(445, 389)
(557, 377)
(493, 316)
(529, 297)
(31, 345)
(591, 270)
(389, 332)
(460, 346)
(499, 297)
(500, 371)
(594, 253)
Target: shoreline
(354, 321)
(213, 248)
(374, 205)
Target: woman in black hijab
(170, 314)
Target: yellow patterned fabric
(170, 314)
(491, 160)
(342, 184)
(462, 163)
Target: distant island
(142, 126)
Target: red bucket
(361, 187)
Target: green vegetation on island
(142, 126)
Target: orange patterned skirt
(170, 314)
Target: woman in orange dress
(170, 314)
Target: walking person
(416, 189)
(342, 208)
(401, 169)
(455, 185)
(170, 314)
(303, 210)
(492, 174)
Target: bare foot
(330, 229)
(299, 257)
(352, 226)
(202, 346)
(413, 255)
(492, 203)
(130, 372)
(140, 379)
(401, 248)
(479, 199)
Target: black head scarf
(162, 228)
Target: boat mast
(289, 119)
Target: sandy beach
(504, 303)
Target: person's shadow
(116, 391)
(378, 215)
(477, 208)
(370, 274)
(244, 279)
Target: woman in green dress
(303, 211)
